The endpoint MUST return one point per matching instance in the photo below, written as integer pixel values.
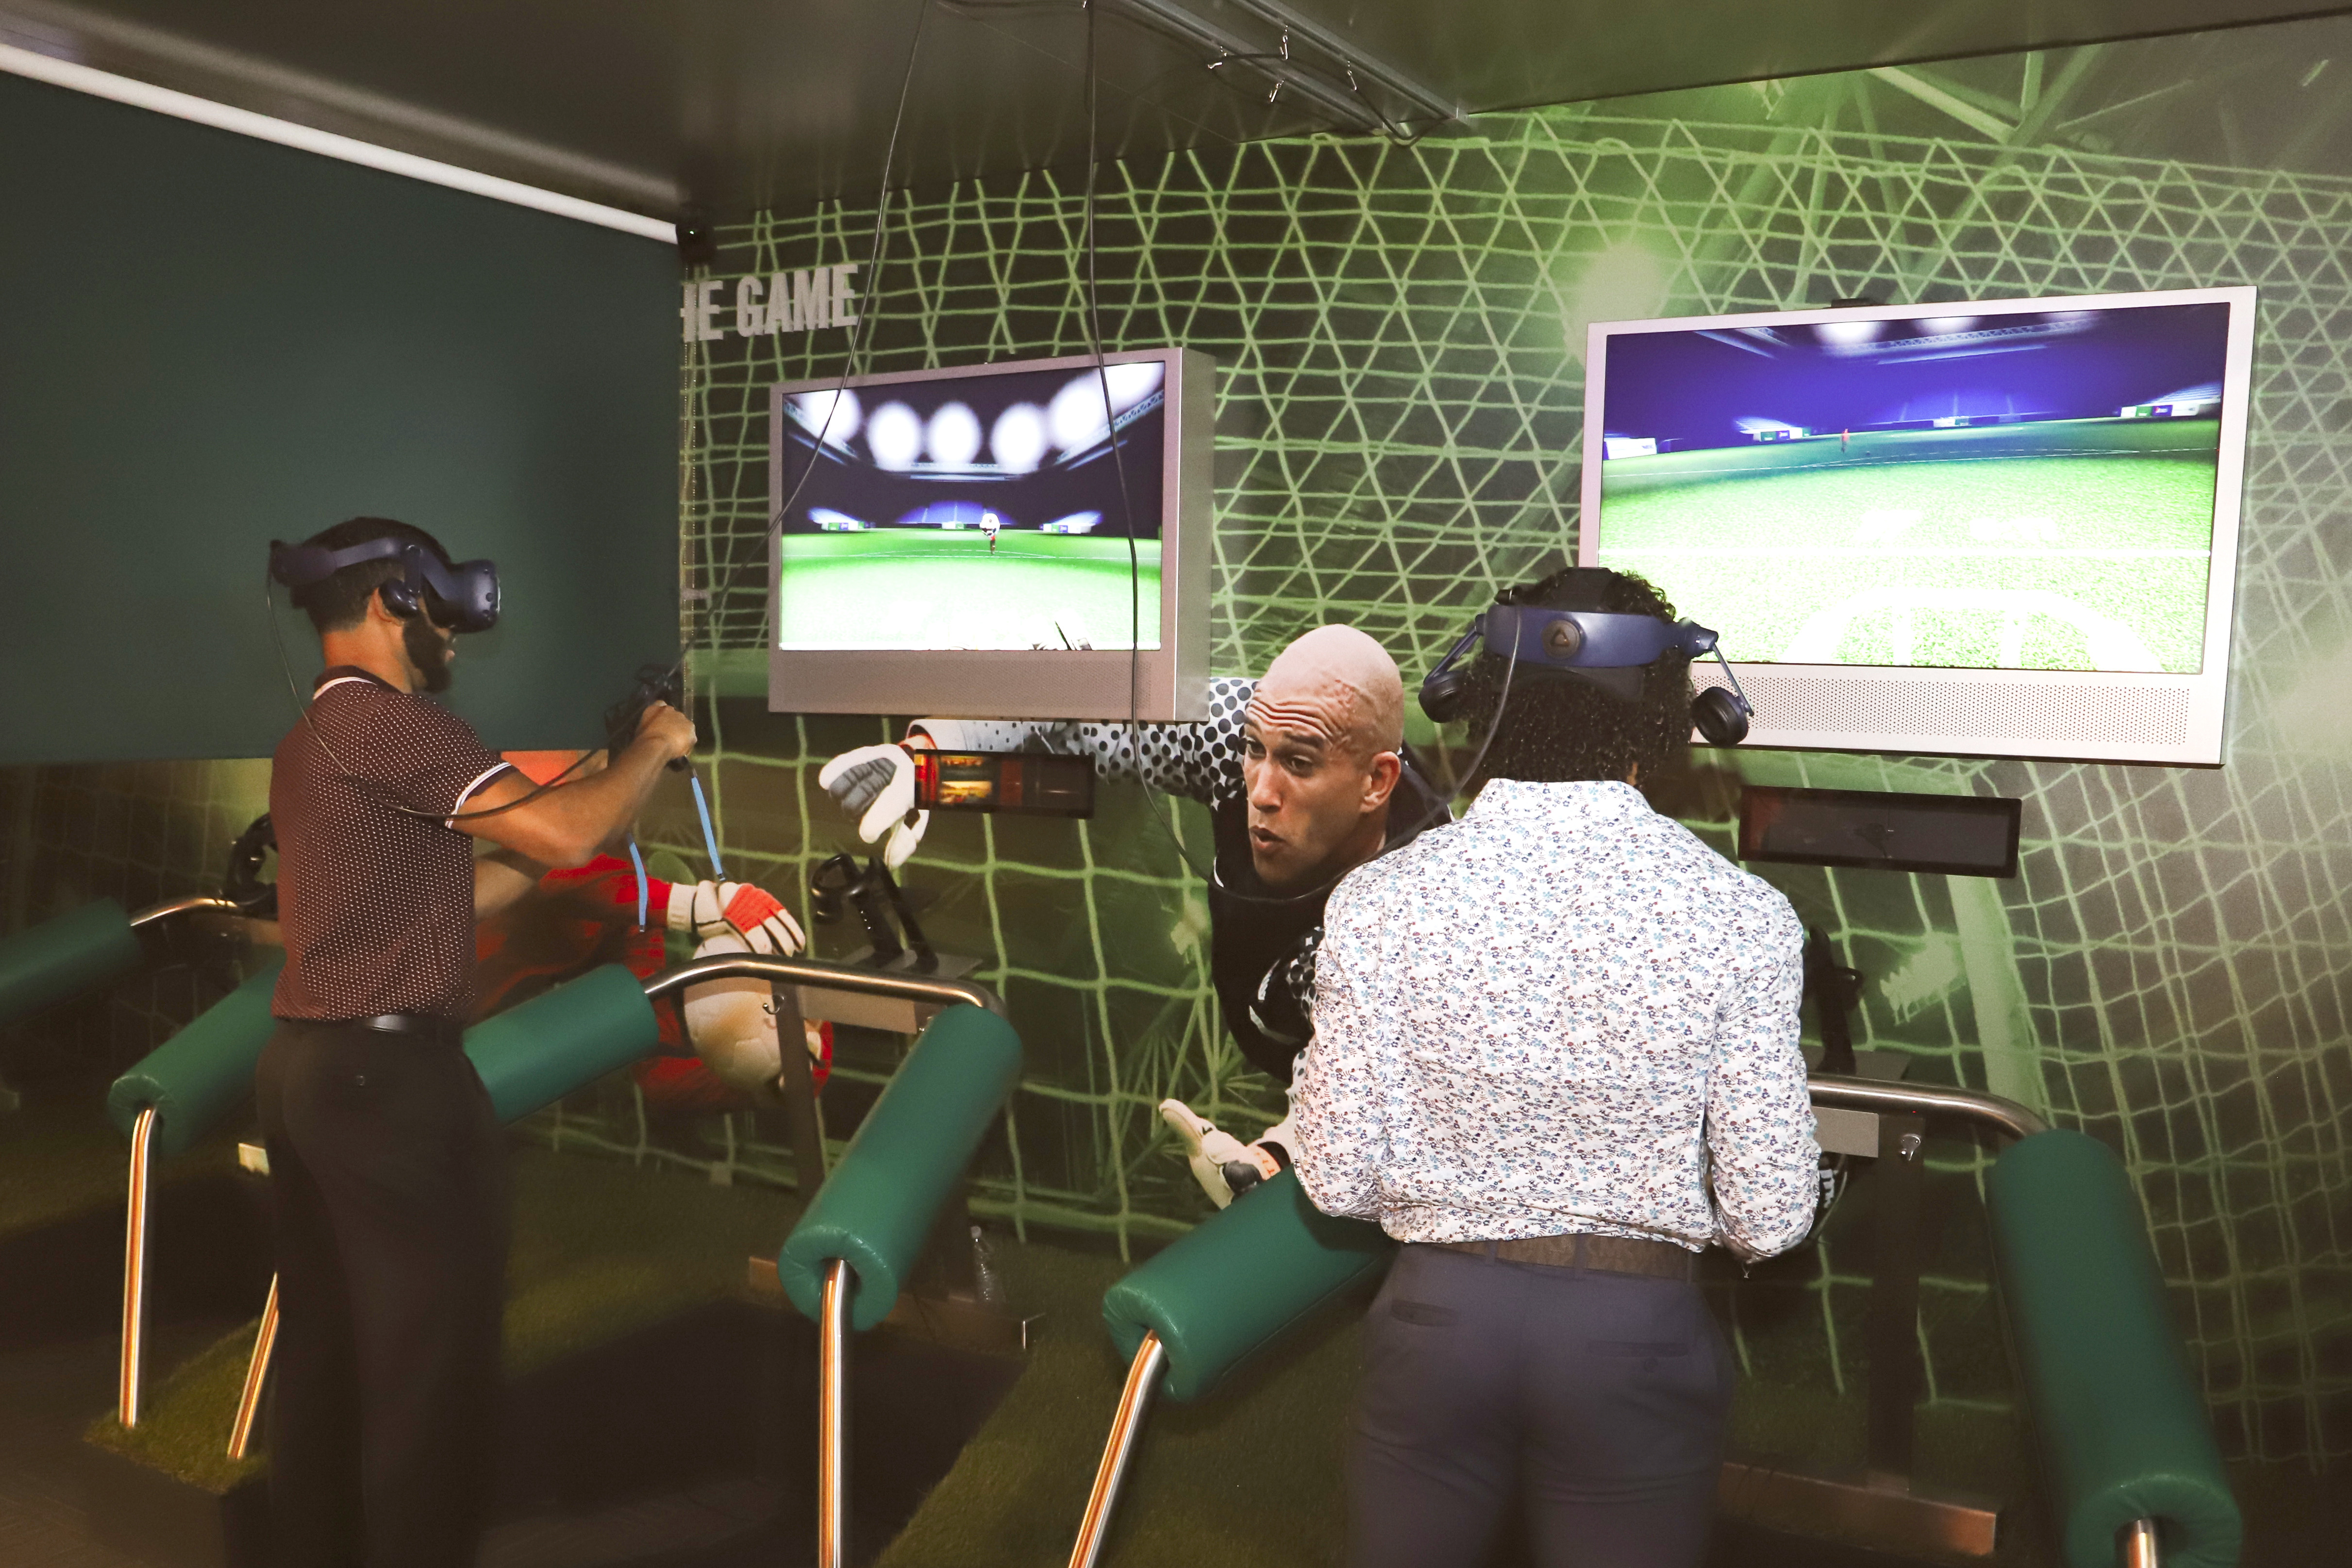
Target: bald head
(1339, 685)
(1319, 757)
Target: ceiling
(720, 107)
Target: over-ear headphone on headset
(463, 597)
(1600, 648)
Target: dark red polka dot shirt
(377, 903)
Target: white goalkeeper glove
(879, 781)
(708, 909)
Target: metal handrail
(826, 976)
(793, 971)
(256, 1372)
(128, 1378)
(833, 1418)
(2136, 1543)
(1118, 1453)
(183, 907)
(1925, 1099)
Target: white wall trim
(285, 133)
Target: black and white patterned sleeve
(1200, 762)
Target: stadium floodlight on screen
(2006, 529)
(1000, 542)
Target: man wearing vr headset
(386, 1164)
(1306, 774)
(1555, 1054)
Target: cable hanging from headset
(449, 818)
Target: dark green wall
(207, 340)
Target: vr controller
(840, 886)
(655, 683)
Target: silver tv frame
(2092, 716)
(1171, 682)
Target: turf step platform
(688, 1442)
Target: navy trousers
(387, 1175)
(1598, 1400)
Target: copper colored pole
(135, 1271)
(833, 1418)
(256, 1372)
(1134, 1405)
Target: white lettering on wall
(805, 302)
(700, 310)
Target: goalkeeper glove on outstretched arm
(711, 909)
(879, 782)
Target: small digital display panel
(1029, 783)
(1960, 836)
(1016, 510)
(2028, 490)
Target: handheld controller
(655, 683)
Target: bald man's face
(1319, 793)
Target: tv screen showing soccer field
(1016, 510)
(2003, 490)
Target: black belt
(431, 1024)
(1603, 1253)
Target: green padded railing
(877, 1208)
(61, 958)
(535, 1054)
(1286, 1257)
(2123, 1432)
(200, 1074)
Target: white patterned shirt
(1550, 1018)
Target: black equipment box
(1958, 835)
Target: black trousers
(1599, 1399)
(388, 1183)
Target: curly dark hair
(1559, 727)
(337, 603)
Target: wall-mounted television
(2001, 529)
(1026, 539)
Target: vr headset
(1609, 651)
(464, 597)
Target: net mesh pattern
(1399, 333)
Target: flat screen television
(998, 541)
(2001, 529)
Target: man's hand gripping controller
(655, 683)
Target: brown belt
(1603, 1253)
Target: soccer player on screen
(989, 523)
(1306, 776)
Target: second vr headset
(463, 597)
(1602, 649)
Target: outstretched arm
(1200, 762)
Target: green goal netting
(1399, 332)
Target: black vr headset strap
(468, 590)
(1603, 649)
